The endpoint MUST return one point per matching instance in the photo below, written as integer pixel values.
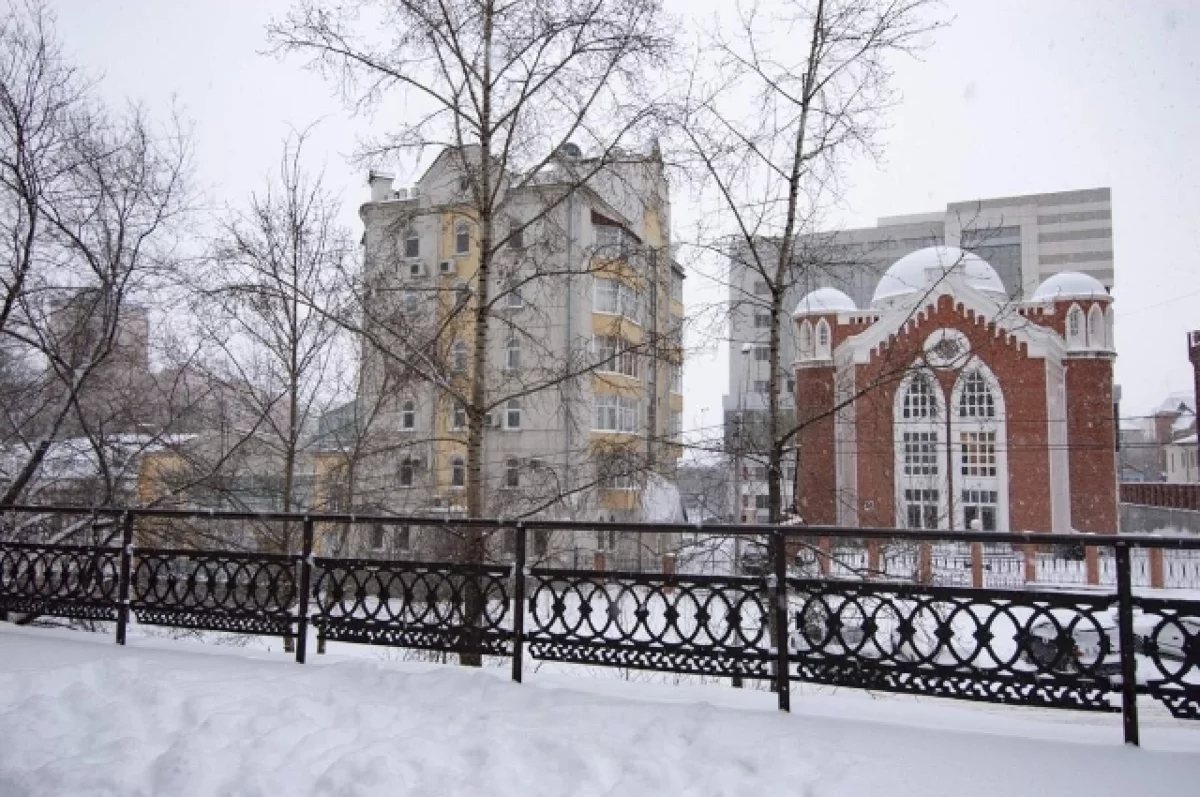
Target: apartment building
(1025, 239)
(584, 356)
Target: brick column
(599, 563)
(874, 563)
(826, 550)
(925, 563)
(1092, 557)
(1030, 563)
(1157, 580)
(977, 565)
(668, 569)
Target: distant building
(1025, 240)
(945, 405)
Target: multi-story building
(1025, 240)
(585, 350)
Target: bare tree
(89, 202)
(767, 132)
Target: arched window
(823, 339)
(1076, 333)
(462, 238)
(512, 354)
(412, 243)
(407, 471)
(976, 400)
(1096, 336)
(459, 356)
(512, 473)
(806, 340)
(919, 401)
(458, 471)
(408, 415)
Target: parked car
(1091, 647)
(1173, 640)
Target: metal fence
(865, 617)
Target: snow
(825, 300)
(1069, 285)
(80, 715)
(917, 271)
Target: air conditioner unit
(416, 269)
(447, 267)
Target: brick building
(946, 404)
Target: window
(462, 238)
(1076, 334)
(614, 356)
(407, 470)
(919, 400)
(512, 354)
(375, 543)
(408, 415)
(979, 505)
(458, 417)
(464, 183)
(514, 298)
(462, 294)
(459, 356)
(412, 244)
(806, 340)
(541, 542)
(1096, 327)
(762, 502)
(516, 235)
(512, 414)
(762, 353)
(610, 240)
(978, 453)
(921, 509)
(412, 302)
(791, 384)
(760, 288)
(976, 400)
(512, 473)
(613, 296)
(404, 538)
(762, 385)
(920, 453)
(458, 472)
(762, 320)
(616, 414)
(823, 339)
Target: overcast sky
(1013, 97)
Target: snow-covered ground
(82, 716)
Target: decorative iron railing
(815, 605)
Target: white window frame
(408, 415)
(512, 354)
(979, 441)
(512, 474)
(615, 413)
(462, 231)
(458, 472)
(920, 429)
(411, 236)
(512, 410)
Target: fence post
(302, 599)
(780, 609)
(1156, 568)
(977, 565)
(123, 586)
(518, 605)
(1125, 640)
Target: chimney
(1194, 356)
(381, 185)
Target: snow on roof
(1190, 440)
(1070, 285)
(825, 300)
(1175, 401)
(915, 271)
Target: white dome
(911, 273)
(825, 300)
(1070, 285)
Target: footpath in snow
(82, 716)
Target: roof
(825, 300)
(917, 271)
(1070, 285)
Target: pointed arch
(806, 340)
(979, 450)
(1076, 328)
(1096, 331)
(823, 348)
(920, 452)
